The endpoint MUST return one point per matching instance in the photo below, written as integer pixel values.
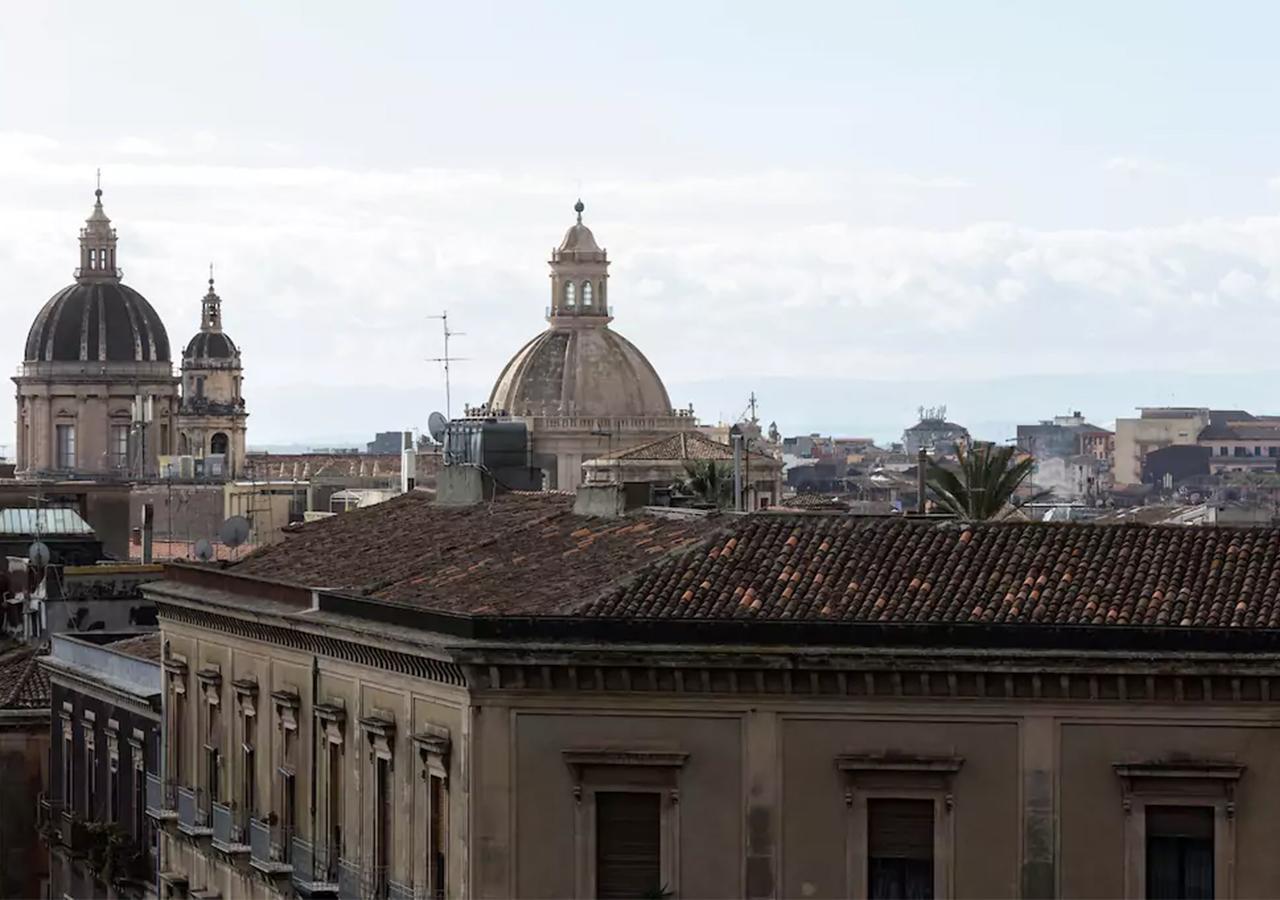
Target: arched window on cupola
(570, 294)
(586, 293)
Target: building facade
(581, 388)
(775, 705)
(104, 757)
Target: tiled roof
(814, 501)
(685, 445)
(23, 683)
(340, 465)
(144, 646)
(849, 569)
(519, 554)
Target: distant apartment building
(934, 433)
(1064, 436)
(1237, 441)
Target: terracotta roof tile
(522, 554)
(894, 570)
(144, 646)
(23, 683)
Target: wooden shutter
(628, 844)
(900, 829)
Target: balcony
(268, 848)
(49, 818)
(192, 819)
(348, 878)
(311, 875)
(228, 837)
(162, 802)
(375, 883)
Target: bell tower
(579, 274)
(97, 244)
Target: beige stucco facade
(1037, 766)
(1152, 430)
(96, 400)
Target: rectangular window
(628, 844)
(120, 446)
(438, 838)
(381, 825)
(113, 786)
(139, 802)
(213, 774)
(1241, 451)
(1180, 852)
(68, 770)
(334, 809)
(66, 446)
(248, 799)
(90, 779)
(288, 789)
(899, 849)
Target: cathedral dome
(572, 370)
(97, 321)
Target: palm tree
(710, 481)
(985, 485)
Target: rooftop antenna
(447, 359)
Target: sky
(851, 209)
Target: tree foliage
(985, 484)
(709, 480)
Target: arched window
(218, 445)
(569, 296)
(586, 293)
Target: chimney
(408, 463)
(922, 463)
(735, 435)
(148, 532)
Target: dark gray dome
(210, 345)
(97, 321)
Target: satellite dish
(234, 531)
(436, 424)
(38, 554)
(204, 550)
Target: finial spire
(211, 276)
(578, 208)
(98, 190)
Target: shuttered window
(899, 849)
(628, 844)
(1180, 852)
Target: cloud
(329, 276)
(137, 146)
(1138, 167)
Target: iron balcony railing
(375, 883)
(192, 818)
(310, 871)
(49, 817)
(228, 836)
(327, 863)
(348, 878)
(268, 848)
(161, 798)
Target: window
(1273, 451)
(381, 825)
(120, 446)
(66, 446)
(570, 299)
(333, 809)
(1257, 451)
(628, 844)
(288, 813)
(899, 849)
(1241, 451)
(438, 840)
(586, 293)
(213, 774)
(1222, 451)
(68, 765)
(139, 795)
(199, 386)
(1179, 852)
(248, 800)
(90, 775)
(218, 444)
(113, 783)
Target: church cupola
(97, 245)
(579, 272)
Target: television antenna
(447, 359)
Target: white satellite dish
(204, 550)
(38, 554)
(234, 531)
(436, 424)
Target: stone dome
(580, 371)
(209, 345)
(97, 321)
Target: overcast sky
(852, 209)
